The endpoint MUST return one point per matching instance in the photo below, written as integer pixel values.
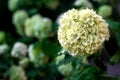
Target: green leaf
(117, 36)
(50, 48)
(113, 25)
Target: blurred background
(29, 49)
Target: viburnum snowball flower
(19, 50)
(38, 26)
(105, 11)
(17, 73)
(19, 18)
(82, 32)
(13, 5)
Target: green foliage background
(49, 61)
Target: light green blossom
(82, 32)
(13, 5)
(66, 69)
(4, 48)
(17, 73)
(32, 22)
(83, 3)
(19, 18)
(105, 11)
(36, 55)
(38, 26)
(43, 29)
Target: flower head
(17, 73)
(19, 50)
(4, 48)
(105, 11)
(82, 32)
(19, 18)
(32, 22)
(36, 55)
(38, 26)
(13, 5)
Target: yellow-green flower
(82, 32)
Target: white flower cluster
(35, 26)
(4, 48)
(17, 73)
(19, 50)
(38, 26)
(82, 32)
